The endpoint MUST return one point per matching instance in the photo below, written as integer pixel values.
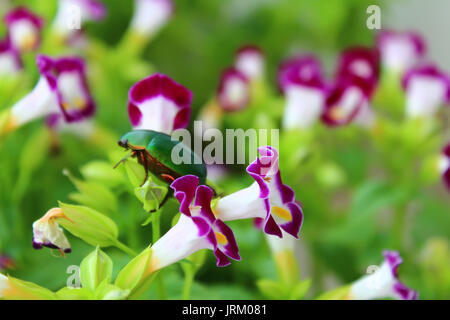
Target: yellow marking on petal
(267, 179)
(28, 42)
(221, 239)
(337, 113)
(80, 103)
(282, 213)
(10, 126)
(65, 105)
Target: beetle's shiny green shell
(160, 145)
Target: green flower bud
(89, 225)
(95, 269)
(137, 275)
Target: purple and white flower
(196, 229)
(349, 101)
(150, 16)
(400, 51)
(359, 64)
(383, 282)
(267, 198)
(302, 82)
(444, 165)
(47, 232)
(89, 10)
(62, 90)
(10, 62)
(158, 103)
(250, 62)
(233, 92)
(427, 89)
(24, 29)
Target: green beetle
(153, 151)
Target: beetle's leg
(144, 163)
(167, 177)
(122, 160)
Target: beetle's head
(124, 143)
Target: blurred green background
(345, 229)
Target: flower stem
(156, 232)
(398, 227)
(125, 249)
(188, 280)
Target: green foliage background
(345, 229)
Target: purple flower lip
(159, 85)
(391, 35)
(230, 103)
(187, 192)
(301, 70)
(96, 9)
(52, 69)
(361, 65)
(335, 96)
(394, 260)
(430, 71)
(263, 169)
(23, 13)
(446, 173)
(7, 48)
(251, 48)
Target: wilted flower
(267, 198)
(400, 50)
(10, 62)
(158, 103)
(47, 233)
(89, 10)
(427, 89)
(302, 83)
(62, 90)
(250, 61)
(234, 91)
(349, 102)
(444, 165)
(24, 29)
(383, 282)
(150, 16)
(359, 64)
(196, 229)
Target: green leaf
(95, 269)
(135, 172)
(94, 194)
(102, 172)
(89, 225)
(340, 293)
(130, 275)
(34, 153)
(107, 291)
(300, 290)
(67, 293)
(270, 289)
(23, 290)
